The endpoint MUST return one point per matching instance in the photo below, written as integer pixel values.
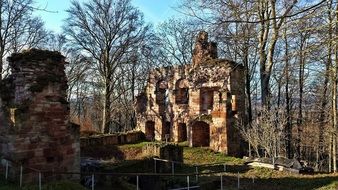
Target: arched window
(206, 99)
(161, 92)
(182, 92)
(162, 96)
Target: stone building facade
(198, 103)
(35, 130)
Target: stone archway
(200, 134)
(150, 130)
(181, 132)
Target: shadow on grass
(187, 168)
(285, 183)
(103, 152)
(56, 185)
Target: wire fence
(188, 180)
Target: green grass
(296, 183)
(206, 156)
(137, 145)
(331, 186)
(265, 179)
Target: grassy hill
(129, 158)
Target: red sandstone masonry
(211, 84)
(41, 134)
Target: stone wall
(207, 97)
(36, 131)
(112, 139)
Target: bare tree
(106, 30)
(266, 133)
(19, 29)
(29, 33)
(176, 39)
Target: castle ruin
(199, 103)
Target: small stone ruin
(35, 130)
(164, 151)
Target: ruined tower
(35, 130)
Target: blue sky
(155, 11)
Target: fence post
(53, 173)
(188, 183)
(137, 188)
(93, 182)
(221, 182)
(173, 168)
(40, 187)
(155, 165)
(238, 180)
(196, 169)
(6, 174)
(224, 167)
(21, 175)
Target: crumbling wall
(37, 132)
(204, 50)
(112, 139)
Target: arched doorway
(182, 132)
(150, 130)
(200, 134)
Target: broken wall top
(209, 73)
(204, 49)
(31, 72)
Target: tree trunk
(106, 108)
(334, 99)
(287, 96)
(331, 77)
(301, 87)
(265, 79)
(133, 117)
(330, 153)
(263, 37)
(2, 50)
(247, 83)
